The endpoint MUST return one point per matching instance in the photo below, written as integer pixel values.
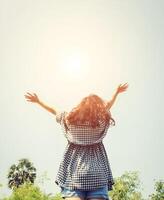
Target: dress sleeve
(112, 122)
(60, 116)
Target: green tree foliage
(159, 191)
(21, 173)
(126, 187)
(1, 186)
(29, 191)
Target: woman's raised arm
(34, 98)
(120, 88)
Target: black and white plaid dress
(85, 165)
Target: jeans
(98, 193)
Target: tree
(159, 191)
(126, 187)
(27, 191)
(30, 191)
(21, 173)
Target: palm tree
(21, 173)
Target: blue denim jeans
(98, 193)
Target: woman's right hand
(122, 88)
(33, 98)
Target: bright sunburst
(75, 66)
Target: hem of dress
(110, 186)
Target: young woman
(84, 171)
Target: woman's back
(85, 164)
(82, 134)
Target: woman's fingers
(35, 95)
(29, 93)
(27, 97)
(125, 85)
(32, 97)
(122, 87)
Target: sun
(75, 66)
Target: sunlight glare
(75, 66)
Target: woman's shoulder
(60, 116)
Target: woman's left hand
(33, 98)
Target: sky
(65, 50)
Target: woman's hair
(91, 109)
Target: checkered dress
(85, 164)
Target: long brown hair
(92, 109)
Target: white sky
(111, 42)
